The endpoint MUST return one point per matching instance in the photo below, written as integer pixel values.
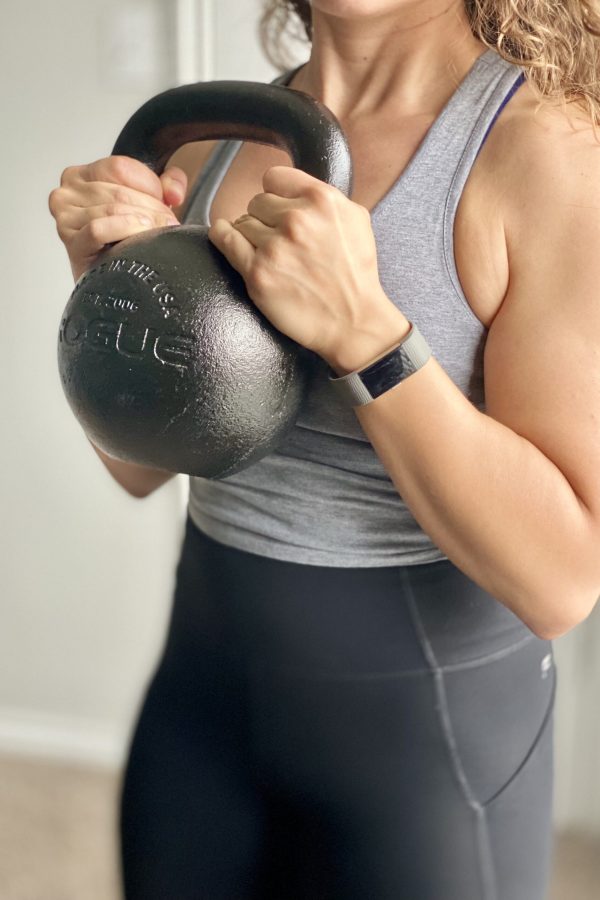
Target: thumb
(174, 182)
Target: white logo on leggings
(546, 665)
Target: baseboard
(66, 739)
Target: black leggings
(338, 734)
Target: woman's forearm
(492, 501)
(139, 481)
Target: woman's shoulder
(535, 125)
(533, 150)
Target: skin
(376, 56)
(509, 495)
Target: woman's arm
(512, 496)
(141, 481)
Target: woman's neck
(409, 60)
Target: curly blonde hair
(556, 42)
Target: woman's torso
(437, 194)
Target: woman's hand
(109, 200)
(308, 257)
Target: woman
(355, 696)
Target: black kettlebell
(163, 357)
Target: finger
(233, 245)
(76, 217)
(89, 240)
(98, 193)
(286, 181)
(270, 208)
(253, 230)
(126, 171)
(174, 182)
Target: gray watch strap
(360, 387)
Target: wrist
(360, 348)
(392, 368)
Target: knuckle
(54, 201)
(324, 196)
(120, 167)
(295, 224)
(121, 196)
(253, 203)
(258, 277)
(119, 209)
(271, 255)
(134, 221)
(228, 238)
(96, 230)
(67, 174)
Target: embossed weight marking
(163, 357)
(110, 302)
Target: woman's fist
(111, 199)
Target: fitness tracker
(361, 387)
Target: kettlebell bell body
(163, 356)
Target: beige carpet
(58, 838)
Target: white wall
(577, 802)
(87, 571)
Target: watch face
(396, 367)
(362, 387)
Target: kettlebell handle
(245, 111)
